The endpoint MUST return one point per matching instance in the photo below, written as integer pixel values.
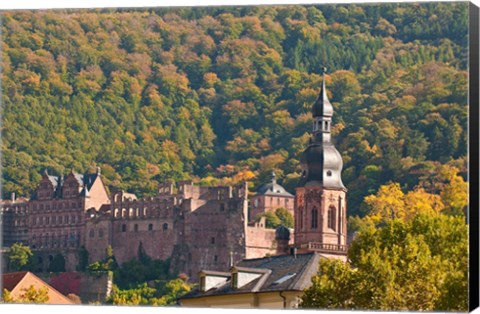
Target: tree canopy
(415, 265)
(19, 257)
(160, 94)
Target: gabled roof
(85, 182)
(22, 280)
(279, 273)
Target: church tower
(320, 203)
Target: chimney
(293, 251)
(13, 197)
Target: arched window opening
(124, 228)
(150, 227)
(331, 217)
(300, 211)
(165, 226)
(314, 218)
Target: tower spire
(322, 112)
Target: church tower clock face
(320, 205)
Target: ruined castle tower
(320, 204)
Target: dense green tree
(19, 257)
(399, 265)
(29, 295)
(285, 217)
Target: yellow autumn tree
(390, 203)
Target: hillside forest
(221, 95)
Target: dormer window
(212, 279)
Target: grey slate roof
(85, 182)
(304, 266)
(273, 189)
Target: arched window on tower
(300, 211)
(314, 218)
(331, 217)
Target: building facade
(14, 220)
(270, 197)
(57, 215)
(196, 227)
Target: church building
(320, 202)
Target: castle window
(331, 217)
(329, 173)
(314, 218)
(124, 228)
(212, 240)
(222, 207)
(165, 226)
(326, 125)
(150, 227)
(92, 233)
(215, 259)
(135, 228)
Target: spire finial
(323, 83)
(274, 177)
